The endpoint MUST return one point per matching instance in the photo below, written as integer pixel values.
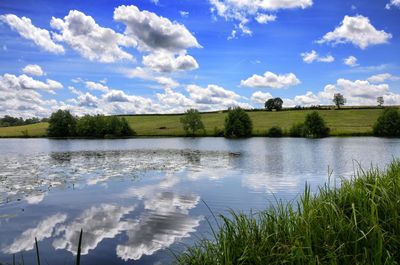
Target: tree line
(7, 121)
(63, 124)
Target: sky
(158, 56)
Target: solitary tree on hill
(339, 100)
(191, 122)
(380, 101)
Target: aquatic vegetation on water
(358, 223)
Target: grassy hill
(341, 122)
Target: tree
(388, 123)
(270, 104)
(380, 101)
(62, 124)
(339, 100)
(274, 103)
(314, 126)
(278, 102)
(238, 123)
(191, 122)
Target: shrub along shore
(358, 223)
(344, 122)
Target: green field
(341, 122)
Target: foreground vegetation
(358, 223)
(344, 122)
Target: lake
(140, 200)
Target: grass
(344, 122)
(358, 223)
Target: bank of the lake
(358, 223)
(345, 122)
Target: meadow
(345, 122)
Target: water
(139, 199)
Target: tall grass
(358, 223)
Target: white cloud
(359, 92)
(27, 30)
(33, 69)
(308, 99)
(184, 14)
(167, 62)
(242, 11)
(309, 57)
(264, 19)
(395, 3)
(260, 97)
(98, 223)
(213, 95)
(43, 230)
(350, 61)
(96, 86)
(357, 30)
(90, 40)
(147, 74)
(12, 82)
(380, 78)
(87, 100)
(271, 80)
(153, 32)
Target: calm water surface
(139, 199)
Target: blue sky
(144, 56)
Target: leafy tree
(278, 102)
(62, 124)
(270, 104)
(275, 131)
(380, 101)
(388, 124)
(273, 103)
(191, 122)
(238, 123)
(339, 100)
(100, 126)
(314, 126)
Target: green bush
(297, 130)
(314, 126)
(275, 131)
(238, 123)
(62, 124)
(388, 124)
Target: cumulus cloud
(358, 92)
(350, 61)
(87, 100)
(357, 30)
(27, 30)
(12, 82)
(153, 32)
(260, 97)
(90, 40)
(380, 78)
(212, 94)
(167, 62)
(309, 57)
(33, 69)
(99, 223)
(96, 86)
(43, 230)
(395, 3)
(243, 11)
(148, 74)
(271, 80)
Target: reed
(357, 223)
